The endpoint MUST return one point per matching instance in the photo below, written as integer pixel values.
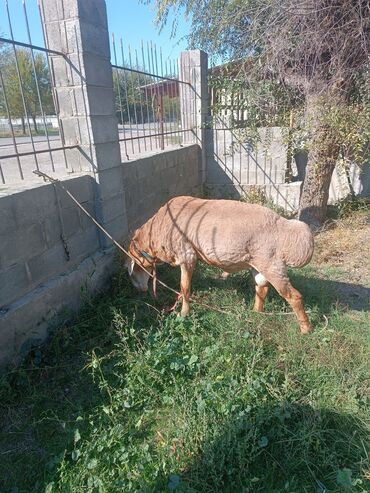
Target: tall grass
(128, 399)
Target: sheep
(228, 234)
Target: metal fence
(147, 93)
(30, 134)
(147, 99)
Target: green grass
(127, 399)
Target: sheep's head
(138, 276)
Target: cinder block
(112, 207)
(97, 71)
(93, 12)
(51, 262)
(21, 244)
(52, 230)
(81, 187)
(109, 182)
(118, 228)
(83, 244)
(62, 70)
(85, 220)
(71, 221)
(108, 155)
(13, 283)
(101, 101)
(7, 217)
(94, 39)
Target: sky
(128, 19)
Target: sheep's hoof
(182, 315)
(306, 328)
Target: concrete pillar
(193, 69)
(84, 96)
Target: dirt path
(342, 253)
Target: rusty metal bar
(37, 81)
(158, 134)
(39, 151)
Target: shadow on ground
(41, 402)
(324, 293)
(273, 449)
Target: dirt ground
(342, 253)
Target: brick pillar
(193, 69)
(85, 100)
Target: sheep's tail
(296, 242)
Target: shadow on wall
(354, 181)
(233, 166)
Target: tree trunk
(23, 125)
(322, 158)
(34, 123)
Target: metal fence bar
(141, 103)
(39, 151)
(133, 95)
(11, 129)
(146, 96)
(152, 69)
(119, 92)
(157, 135)
(147, 73)
(20, 83)
(30, 45)
(126, 94)
(52, 79)
(37, 82)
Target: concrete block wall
(49, 249)
(31, 246)
(152, 180)
(229, 160)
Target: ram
(228, 234)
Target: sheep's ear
(130, 266)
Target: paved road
(10, 166)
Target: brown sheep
(228, 234)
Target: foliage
(126, 398)
(256, 195)
(347, 206)
(28, 75)
(310, 57)
(136, 105)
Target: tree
(34, 81)
(316, 48)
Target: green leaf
(49, 488)
(344, 478)
(173, 482)
(92, 464)
(263, 442)
(77, 436)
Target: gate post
(83, 86)
(193, 71)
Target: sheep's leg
(294, 298)
(261, 290)
(261, 293)
(277, 276)
(186, 275)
